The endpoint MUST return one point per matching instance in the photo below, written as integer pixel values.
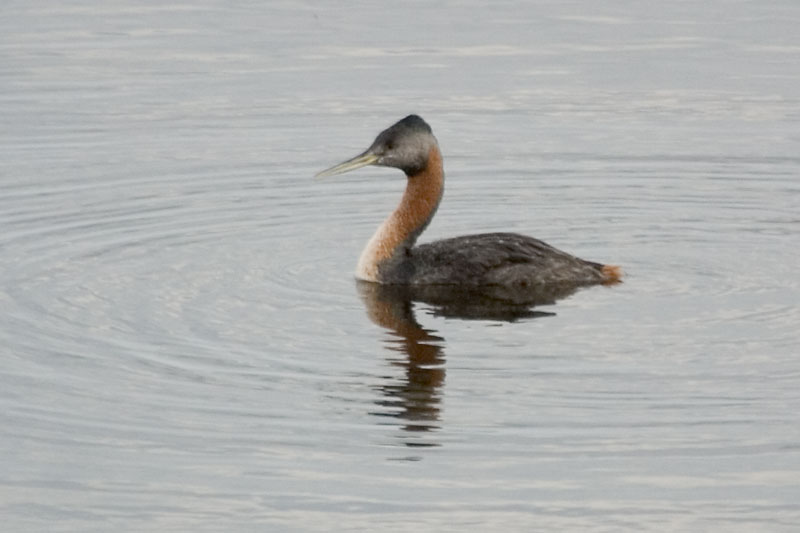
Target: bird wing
(498, 258)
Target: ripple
(181, 326)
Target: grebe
(489, 259)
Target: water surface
(184, 346)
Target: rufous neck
(400, 230)
(420, 200)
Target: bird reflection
(415, 397)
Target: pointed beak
(358, 161)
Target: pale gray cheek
(387, 161)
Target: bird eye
(390, 145)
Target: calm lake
(183, 346)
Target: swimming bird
(489, 259)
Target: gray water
(183, 346)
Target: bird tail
(612, 273)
